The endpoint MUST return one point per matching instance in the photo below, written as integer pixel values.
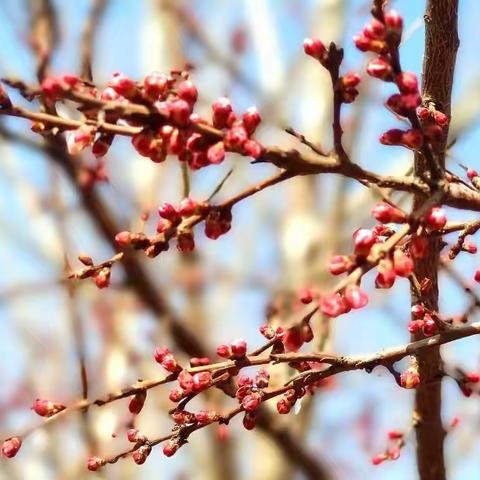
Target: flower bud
(11, 446)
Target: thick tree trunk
(441, 44)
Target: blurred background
(281, 239)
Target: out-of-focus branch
(87, 43)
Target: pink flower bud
(315, 48)
(262, 378)
(402, 263)
(221, 110)
(355, 296)
(375, 30)
(169, 212)
(407, 82)
(202, 381)
(471, 174)
(253, 149)
(216, 153)
(187, 91)
(392, 137)
(134, 436)
(477, 276)
(385, 213)
(235, 138)
(155, 85)
(249, 421)
(239, 348)
(140, 455)
(436, 218)
(124, 86)
(429, 326)
(46, 408)
(79, 139)
(415, 326)
(393, 21)
(52, 87)
(137, 401)
(417, 311)
(95, 463)
(440, 118)
(423, 113)
(333, 305)
(102, 278)
(380, 68)
(180, 111)
(251, 119)
(169, 363)
(185, 380)
(339, 264)
(350, 80)
(363, 241)
(412, 138)
(160, 353)
(123, 239)
(283, 406)
(185, 242)
(251, 402)
(410, 378)
(175, 395)
(379, 458)
(170, 448)
(224, 351)
(11, 446)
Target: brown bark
(441, 44)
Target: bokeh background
(250, 50)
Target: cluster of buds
(250, 395)
(236, 350)
(47, 408)
(434, 122)
(177, 221)
(376, 34)
(397, 441)
(172, 129)
(423, 321)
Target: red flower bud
(380, 68)
(412, 139)
(187, 91)
(375, 30)
(333, 305)
(170, 448)
(249, 421)
(221, 110)
(124, 86)
(363, 241)
(339, 264)
(251, 402)
(407, 82)
(155, 85)
(402, 263)
(202, 381)
(410, 378)
(136, 403)
(385, 213)
(393, 21)
(436, 218)
(46, 408)
(239, 348)
(216, 153)
(11, 446)
(355, 296)
(315, 48)
(251, 119)
(95, 463)
(140, 455)
(283, 406)
(392, 137)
